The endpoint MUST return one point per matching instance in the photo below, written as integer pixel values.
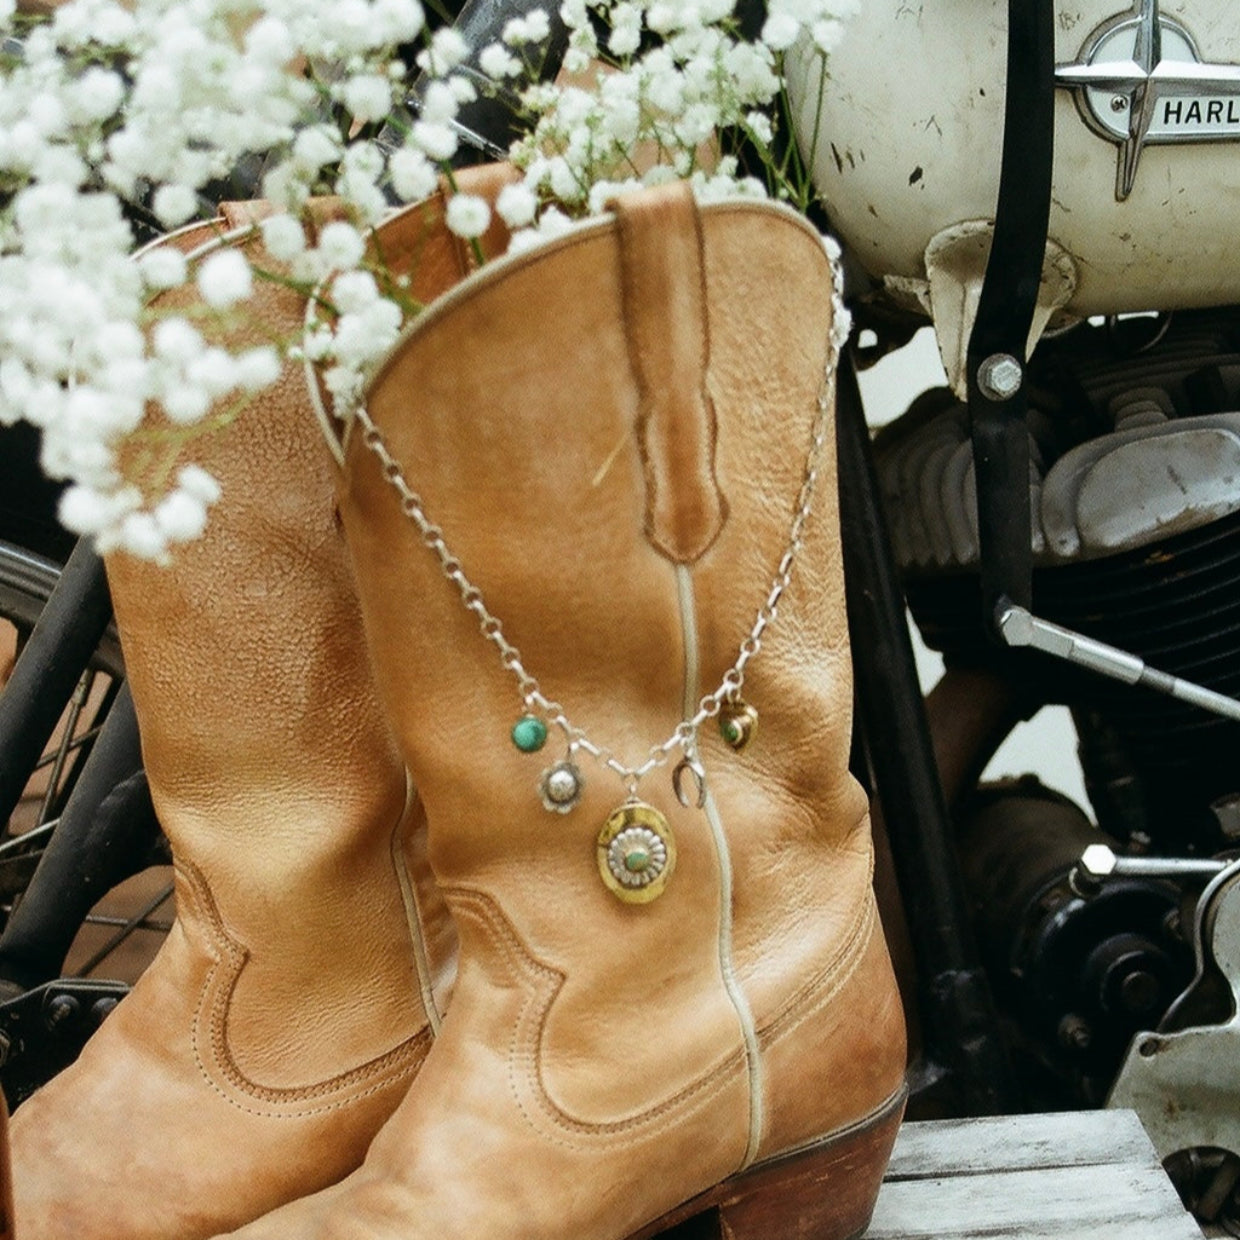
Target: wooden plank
(1071, 1138)
(1078, 1176)
(1089, 1203)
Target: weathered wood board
(1090, 1175)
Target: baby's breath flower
(85, 510)
(271, 40)
(516, 205)
(174, 204)
(517, 32)
(447, 50)
(185, 404)
(195, 481)
(538, 23)
(316, 146)
(436, 141)
(341, 245)
(177, 340)
(413, 176)
(395, 21)
(142, 537)
(180, 517)
(780, 31)
(827, 34)
(467, 215)
(257, 368)
(602, 193)
(368, 96)
(284, 236)
(497, 62)
(163, 268)
(626, 29)
(208, 83)
(95, 96)
(361, 169)
(225, 279)
(354, 291)
(214, 371)
(439, 104)
(462, 88)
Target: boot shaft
(296, 840)
(611, 437)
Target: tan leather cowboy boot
(614, 456)
(297, 992)
(6, 1178)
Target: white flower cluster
(112, 103)
(117, 102)
(656, 85)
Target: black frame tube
(107, 833)
(51, 663)
(959, 1021)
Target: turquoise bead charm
(738, 724)
(529, 734)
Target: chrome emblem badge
(1140, 81)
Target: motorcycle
(1063, 519)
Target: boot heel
(824, 1192)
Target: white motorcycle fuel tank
(1147, 153)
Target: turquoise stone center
(637, 860)
(529, 734)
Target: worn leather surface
(283, 1019)
(592, 1071)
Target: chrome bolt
(999, 377)
(1098, 861)
(1119, 103)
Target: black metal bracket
(43, 1030)
(998, 394)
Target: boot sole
(823, 1191)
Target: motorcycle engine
(1135, 490)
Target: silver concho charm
(636, 853)
(561, 786)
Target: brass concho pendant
(636, 852)
(738, 724)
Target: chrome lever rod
(1018, 627)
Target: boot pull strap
(663, 282)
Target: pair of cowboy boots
(590, 512)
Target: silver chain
(492, 629)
